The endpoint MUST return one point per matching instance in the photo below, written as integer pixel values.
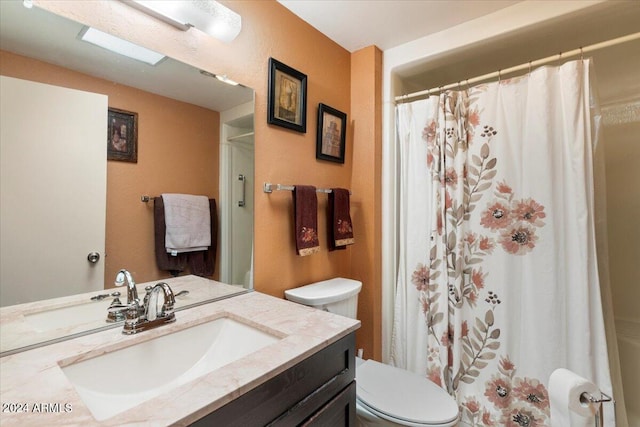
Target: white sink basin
(114, 382)
(69, 317)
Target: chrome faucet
(151, 314)
(132, 292)
(117, 311)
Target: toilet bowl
(386, 396)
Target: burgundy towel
(201, 263)
(339, 219)
(305, 213)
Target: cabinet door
(340, 411)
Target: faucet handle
(132, 316)
(116, 310)
(117, 306)
(132, 310)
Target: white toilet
(385, 395)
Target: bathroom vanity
(319, 391)
(250, 360)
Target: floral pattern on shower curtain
(497, 284)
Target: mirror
(176, 105)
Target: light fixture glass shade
(227, 80)
(206, 15)
(120, 46)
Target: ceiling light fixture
(222, 77)
(120, 46)
(226, 80)
(206, 15)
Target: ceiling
(390, 23)
(355, 24)
(384, 23)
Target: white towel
(188, 223)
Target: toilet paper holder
(586, 398)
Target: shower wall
(621, 138)
(616, 71)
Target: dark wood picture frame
(122, 137)
(332, 128)
(287, 97)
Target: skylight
(120, 46)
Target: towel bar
(145, 198)
(270, 188)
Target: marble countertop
(19, 331)
(35, 391)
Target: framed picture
(332, 127)
(287, 97)
(122, 140)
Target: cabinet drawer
(291, 397)
(339, 412)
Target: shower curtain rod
(525, 66)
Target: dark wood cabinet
(339, 412)
(318, 391)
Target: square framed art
(287, 97)
(332, 127)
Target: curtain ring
(529, 68)
(468, 88)
(499, 76)
(581, 54)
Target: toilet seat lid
(325, 292)
(397, 394)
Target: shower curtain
(498, 282)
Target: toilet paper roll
(568, 407)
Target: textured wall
(282, 156)
(171, 158)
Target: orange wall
(178, 151)
(366, 259)
(283, 156)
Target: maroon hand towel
(339, 218)
(305, 213)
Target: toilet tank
(339, 296)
